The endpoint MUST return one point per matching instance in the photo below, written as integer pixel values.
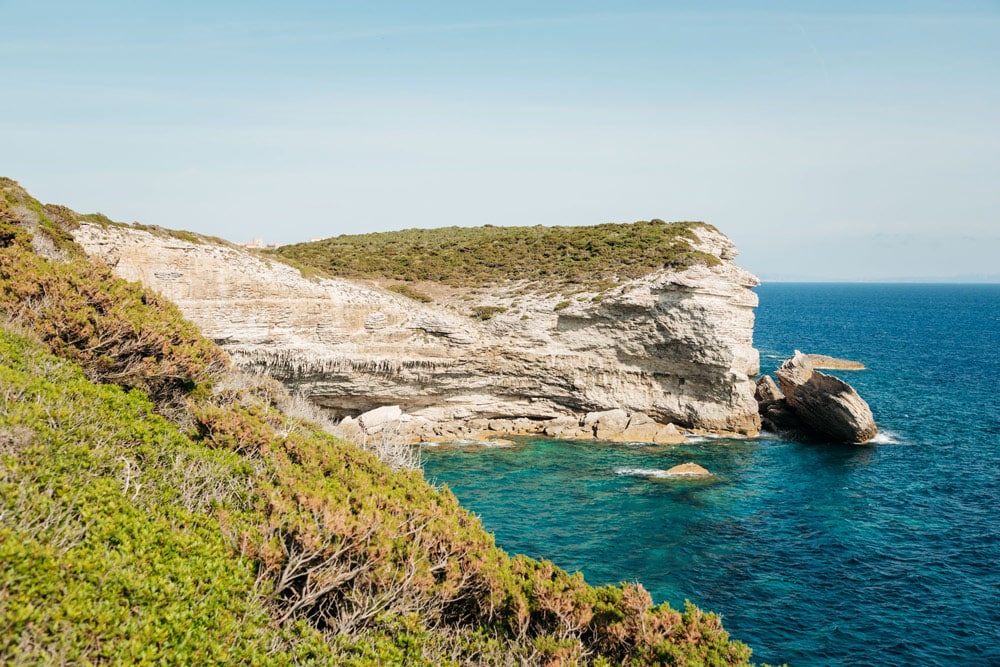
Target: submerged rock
(825, 403)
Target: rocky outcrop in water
(833, 363)
(674, 346)
(816, 401)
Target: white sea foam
(653, 473)
(496, 444)
(468, 442)
(885, 438)
(708, 437)
(640, 472)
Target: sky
(837, 141)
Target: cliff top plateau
(474, 256)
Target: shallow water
(814, 554)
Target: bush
(487, 312)
(473, 256)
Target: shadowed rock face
(825, 403)
(674, 345)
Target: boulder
(349, 429)
(640, 428)
(607, 424)
(687, 470)
(567, 428)
(375, 420)
(825, 403)
(668, 435)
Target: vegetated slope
(473, 256)
(178, 515)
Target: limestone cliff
(673, 344)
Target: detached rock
(641, 428)
(688, 470)
(375, 420)
(608, 424)
(825, 403)
(669, 435)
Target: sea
(813, 553)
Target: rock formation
(674, 346)
(688, 470)
(833, 363)
(824, 403)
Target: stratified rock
(674, 344)
(767, 390)
(833, 363)
(825, 403)
(687, 470)
(779, 417)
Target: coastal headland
(476, 332)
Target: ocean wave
(708, 437)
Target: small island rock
(825, 403)
(688, 470)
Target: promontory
(506, 329)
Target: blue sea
(812, 553)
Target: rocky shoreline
(614, 425)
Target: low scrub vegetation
(157, 508)
(474, 256)
(409, 292)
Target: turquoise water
(814, 554)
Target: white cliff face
(676, 345)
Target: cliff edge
(674, 343)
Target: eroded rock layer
(674, 345)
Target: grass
(599, 255)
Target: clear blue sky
(830, 140)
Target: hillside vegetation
(474, 256)
(157, 506)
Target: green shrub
(487, 312)
(598, 256)
(409, 292)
